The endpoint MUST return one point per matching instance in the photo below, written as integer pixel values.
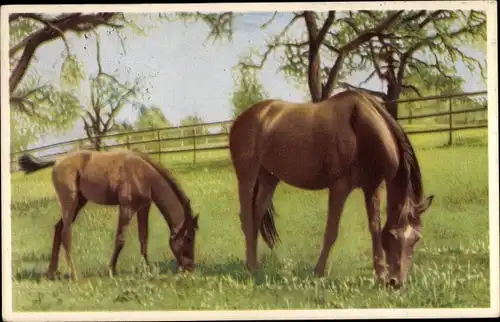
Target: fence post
(128, 142)
(194, 146)
(450, 122)
(159, 145)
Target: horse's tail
(30, 164)
(267, 226)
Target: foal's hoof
(72, 277)
(111, 272)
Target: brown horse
(130, 180)
(346, 142)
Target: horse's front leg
(142, 225)
(372, 196)
(336, 200)
(124, 217)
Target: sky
(185, 75)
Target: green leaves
(248, 90)
(72, 72)
(37, 109)
(151, 118)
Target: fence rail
(221, 137)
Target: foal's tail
(267, 227)
(30, 164)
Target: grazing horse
(130, 180)
(346, 142)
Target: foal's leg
(336, 200)
(267, 184)
(142, 224)
(56, 244)
(69, 208)
(124, 218)
(372, 195)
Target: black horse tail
(267, 226)
(30, 164)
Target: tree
(249, 90)
(325, 37)
(108, 96)
(424, 43)
(29, 31)
(38, 108)
(151, 118)
(433, 84)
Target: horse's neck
(396, 201)
(168, 203)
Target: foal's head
(182, 243)
(400, 238)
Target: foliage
(151, 117)
(422, 44)
(248, 90)
(38, 108)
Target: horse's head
(399, 240)
(182, 243)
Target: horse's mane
(409, 169)
(186, 203)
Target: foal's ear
(425, 204)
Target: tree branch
(326, 26)
(76, 22)
(413, 88)
(360, 39)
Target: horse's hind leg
(247, 172)
(56, 244)
(142, 225)
(372, 195)
(337, 196)
(124, 218)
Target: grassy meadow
(451, 263)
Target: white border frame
(492, 57)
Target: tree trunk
(393, 92)
(97, 144)
(314, 80)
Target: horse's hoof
(51, 276)
(251, 268)
(381, 277)
(318, 272)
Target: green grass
(451, 264)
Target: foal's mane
(185, 202)
(409, 169)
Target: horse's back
(294, 141)
(99, 175)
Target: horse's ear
(425, 204)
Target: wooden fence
(193, 139)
